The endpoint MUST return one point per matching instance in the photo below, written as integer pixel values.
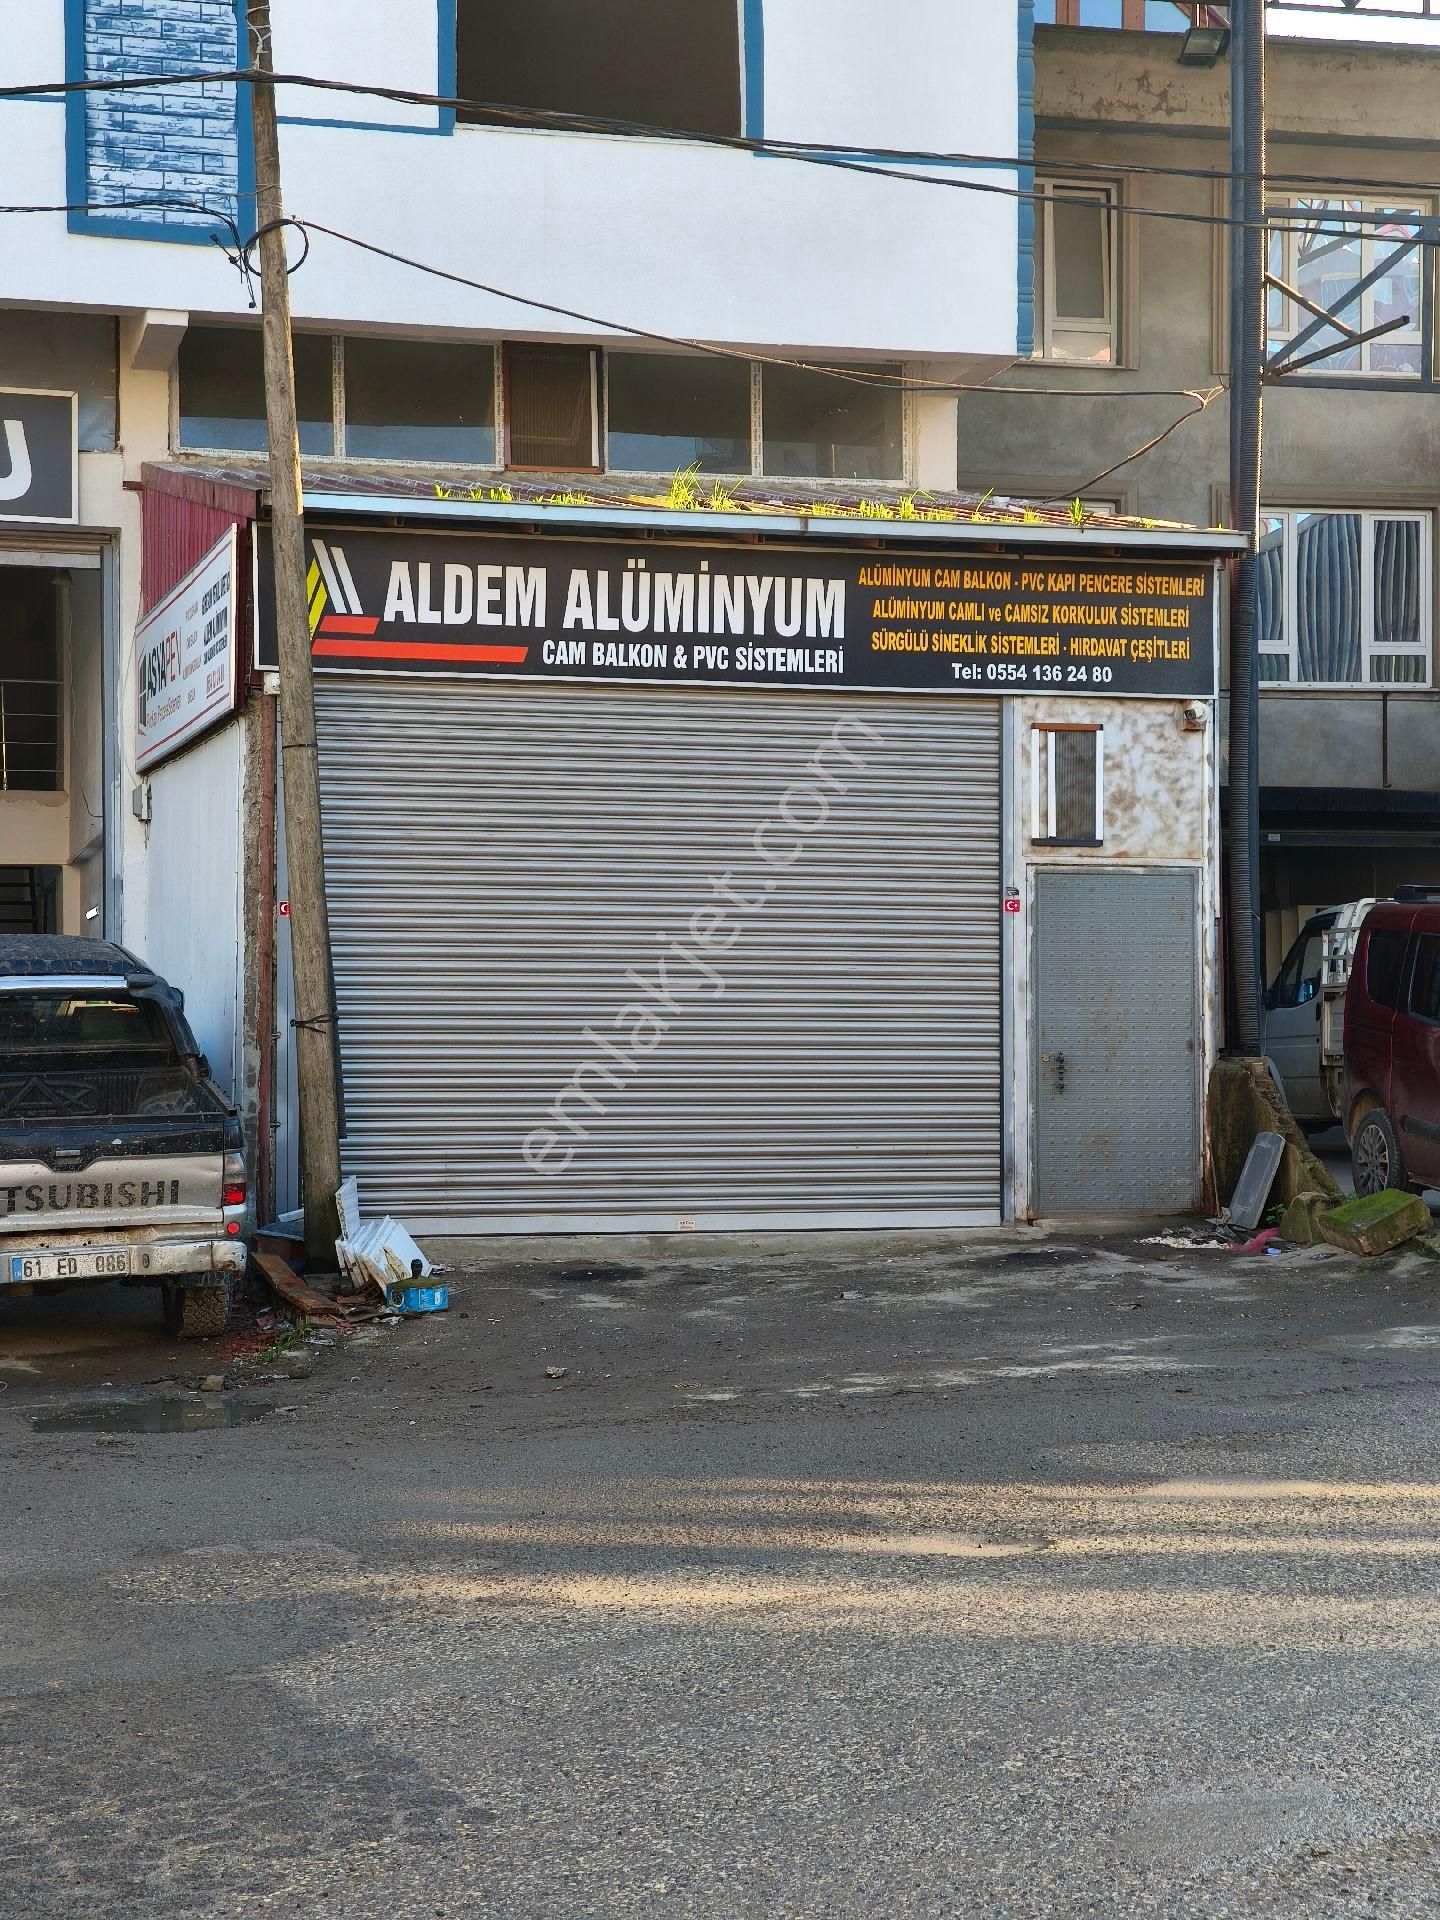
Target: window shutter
(550, 396)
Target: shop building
(756, 870)
(551, 808)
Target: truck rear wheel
(199, 1312)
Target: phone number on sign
(1020, 673)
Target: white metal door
(501, 858)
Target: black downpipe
(1247, 353)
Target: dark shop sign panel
(543, 609)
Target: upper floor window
(418, 400)
(222, 390)
(821, 427)
(659, 63)
(552, 407)
(1141, 16)
(1359, 259)
(549, 408)
(1076, 270)
(1345, 599)
(670, 411)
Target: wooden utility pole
(1247, 362)
(316, 1040)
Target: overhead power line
(888, 163)
(848, 372)
(1199, 398)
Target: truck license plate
(88, 1264)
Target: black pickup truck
(120, 1159)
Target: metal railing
(29, 737)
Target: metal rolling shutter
(499, 856)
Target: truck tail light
(232, 1181)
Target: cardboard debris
(1213, 1237)
(347, 1207)
(380, 1254)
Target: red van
(1391, 1093)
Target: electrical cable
(877, 162)
(851, 374)
(1200, 398)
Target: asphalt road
(1021, 1583)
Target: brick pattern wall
(179, 141)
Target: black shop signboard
(753, 616)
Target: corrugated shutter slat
(499, 856)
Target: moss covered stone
(1376, 1222)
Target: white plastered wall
(196, 866)
(145, 435)
(671, 235)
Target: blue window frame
(750, 78)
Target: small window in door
(1425, 980)
(1383, 960)
(1067, 786)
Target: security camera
(1194, 716)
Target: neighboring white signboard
(187, 658)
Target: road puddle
(154, 1416)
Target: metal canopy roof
(572, 502)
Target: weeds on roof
(686, 494)
(504, 496)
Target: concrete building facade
(1133, 145)
(630, 445)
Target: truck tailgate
(154, 1174)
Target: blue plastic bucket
(420, 1299)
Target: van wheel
(197, 1312)
(1375, 1155)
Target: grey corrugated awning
(750, 507)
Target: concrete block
(1301, 1224)
(1376, 1223)
(1244, 1101)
